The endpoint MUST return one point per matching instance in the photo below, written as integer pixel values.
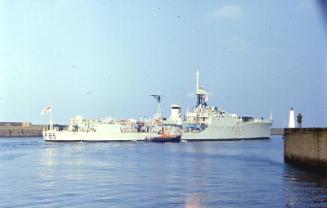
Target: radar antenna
(201, 95)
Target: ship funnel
(291, 122)
(175, 114)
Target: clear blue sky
(101, 58)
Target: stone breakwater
(306, 147)
(30, 130)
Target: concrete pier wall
(306, 147)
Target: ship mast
(201, 94)
(197, 80)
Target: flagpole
(50, 121)
(48, 109)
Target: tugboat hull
(160, 139)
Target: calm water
(34, 173)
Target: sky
(99, 58)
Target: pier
(306, 147)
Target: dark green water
(34, 173)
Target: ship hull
(247, 131)
(159, 139)
(59, 136)
(226, 139)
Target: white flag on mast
(47, 109)
(206, 98)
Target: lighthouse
(291, 123)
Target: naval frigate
(212, 123)
(202, 123)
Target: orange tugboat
(165, 136)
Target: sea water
(34, 173)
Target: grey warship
(202, 123)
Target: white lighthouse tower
(291, 122)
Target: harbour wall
(276, 131)
(306, 147)
(20, 129)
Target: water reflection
(304, 187)
(49, 156)
(194, 201)
(46, 167)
